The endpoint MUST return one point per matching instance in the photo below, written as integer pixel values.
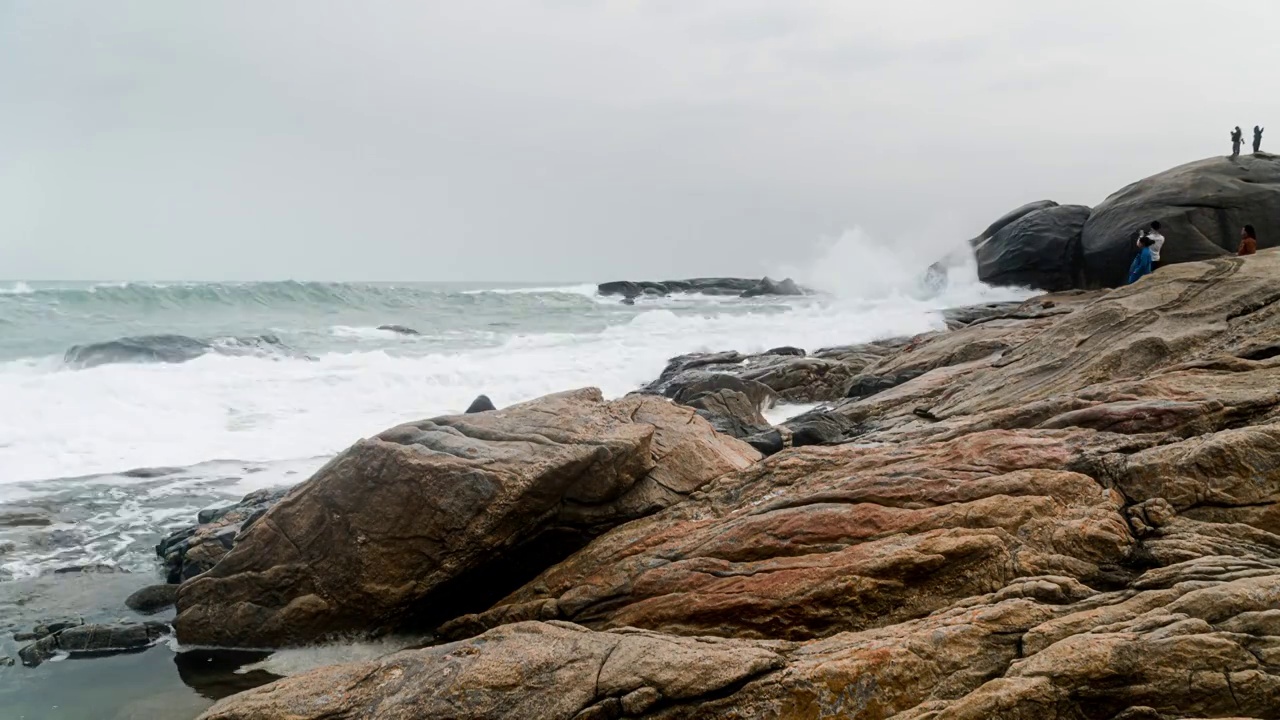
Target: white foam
(18, 288)
(784, 412)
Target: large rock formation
(404, 527)
(1076, 517)
(1201, 206)
(1037, 249)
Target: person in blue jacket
(1142, 262)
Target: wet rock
(399, 329)
(530, 670)
(24, 518)
(768, 442)
(93, 639)
(773, 287)
(820, 427)
(189, 551)
(427, 504)
(150, 472)
(482, 403)
(96, 568)
(152, 599)
(6, 661)
(704, 286)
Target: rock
(6, 661)
(399, 329)
(766, 552)
(528, 670)
(482, 403)
(786, 376)
(192, 550)
(786, 350)
(1039, 248)
(24, 519)
(704, 286)
(732, 405)
(94, 568)
(769, 442)
(55, 626)
(1201, 206)
(417, 522)
(819, 427)
(152, 599)
(773, 287)
(93, 639)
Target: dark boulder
(399, 329)
(768, 286)
(1201, 206)
(819, 427)
(786, 350)
(194, 549)
(1038, 248)
(744, 287)
(93, 640)
(482, 403)
(152, 599)
(769, 442)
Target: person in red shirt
(1248, 241)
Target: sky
(585, 140)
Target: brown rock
(366, 543)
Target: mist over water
(238, 415)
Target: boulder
(1039, 249)
(1201, 206)
(93, 639)
(152, 599)
(786, 376)
(442, 515)
(482, 403)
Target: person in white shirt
(1157, 242)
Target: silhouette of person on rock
(1237, 137)
(1257, 139)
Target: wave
(272, 294)
(173, 349)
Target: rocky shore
(1060, 508)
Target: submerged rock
(409, 525)
(399, 329)
(93, 639)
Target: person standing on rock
(1248, 241)
(1157, 242)
(1257, 139)
(1237, 137)
(1142, 262)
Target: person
(1157, 242)
(1248, 241)
(1237, 137)
(1142, 262)
(1257, 139)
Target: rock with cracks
(384, 535)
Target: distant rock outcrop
(742, 287)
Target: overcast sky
(585, 139)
